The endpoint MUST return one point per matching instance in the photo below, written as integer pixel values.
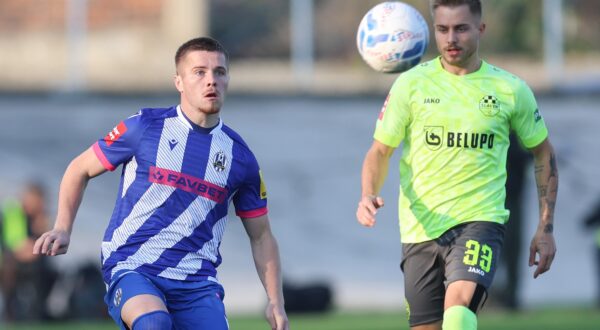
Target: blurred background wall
(127, 46)
(306, 103)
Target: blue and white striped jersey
(176, 184)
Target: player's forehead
(454, 15)
(203, 58)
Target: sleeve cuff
(107, 165)
(252, 213)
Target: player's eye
(200, 73)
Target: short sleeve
(250, 201)
(394, 116)
(120, 144)
(526, 121)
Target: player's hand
(52, 243)
(367, 209)
(544, 246)
(277, 317)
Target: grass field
(548, 319)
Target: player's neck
(199, 117)
(462, 69)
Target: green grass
(547, 319)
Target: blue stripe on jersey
(130, 197)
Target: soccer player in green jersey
(454, 115)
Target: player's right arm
(78, 173)
(374, 172)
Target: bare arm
(268, 266)
(374, 172)
(78, 173)
(546, 177)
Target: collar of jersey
(482, 69)
(203, 130)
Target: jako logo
(476, 271)
(187, 183)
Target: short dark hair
(474, 5)
(201, 43)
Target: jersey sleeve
(250, 201)
(394, 116)
(526, 120)
(120, 143)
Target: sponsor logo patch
(117, 297)
(187, 183)
(263, 187)
(115, 134)
(536, 115)
(382, 112)
(433, 137)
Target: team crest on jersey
(433, 137)
(489, 105)
(219, 161)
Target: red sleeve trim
(107, 165)
(252, 213)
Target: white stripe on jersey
(209, 251)
(182, 226)
(193, 261)
(156, 194)
(129, 177)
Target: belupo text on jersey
(433, 137)
(470, 140)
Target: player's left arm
(546, 177)
(268, 265)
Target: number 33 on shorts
(478, 255)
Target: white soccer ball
(392, 37)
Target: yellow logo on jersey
(263, 188)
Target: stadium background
(71, 69)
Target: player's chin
(213, 107)
(453, 59)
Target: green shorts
(469, 252)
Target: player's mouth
(211, 95)
(453, 51)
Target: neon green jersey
(456, 135)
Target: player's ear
(481, 28)
(178, 83)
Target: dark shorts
(469, 252)
(192, 305)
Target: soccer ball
(392, 37)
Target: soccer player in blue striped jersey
(181, 168)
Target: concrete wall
(124, 44)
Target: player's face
(457, 34)
(202, 79)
